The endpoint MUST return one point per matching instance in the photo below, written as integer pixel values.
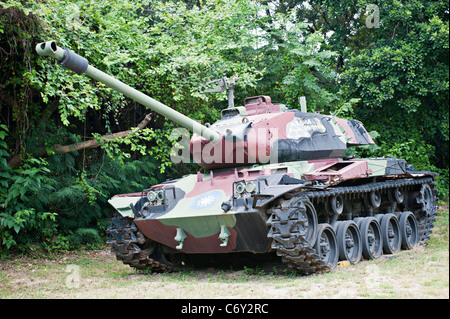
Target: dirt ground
(412, 274)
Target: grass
(419, 273)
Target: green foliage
(419, 155)
(394, 77)
(114, 147)
(297, 67)
(85, 236)
(60, 210)
(192, 46)
(400, 72)
(416, 153)
(82, 200)
(19, 189)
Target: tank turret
(260, 132)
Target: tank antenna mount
(302, 101)
(224, 84)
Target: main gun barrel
(80, 65)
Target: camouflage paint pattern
(194, 203)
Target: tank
(275, 183)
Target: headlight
(151, 196)
(240, 187)
(250, 187)
(160, 195)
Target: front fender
(275, 186)
(122, 203)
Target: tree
(401, 73)
(392, 67)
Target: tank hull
(287, 212)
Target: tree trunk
(62, 149)
(17, 159)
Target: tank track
(430, 209)
(132, 248)
(290, 238)
(287, 220)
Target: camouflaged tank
(278, 184)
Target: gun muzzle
(65, 57)
(51, 49)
